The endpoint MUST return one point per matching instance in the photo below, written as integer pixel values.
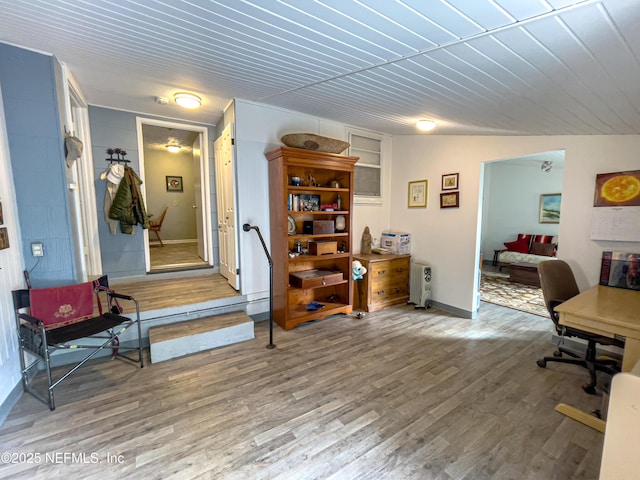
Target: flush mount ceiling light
(426, 125)
(187, 100)
(173, 148)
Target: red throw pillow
(520, 246)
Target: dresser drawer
(386, 292)
(389, 268)
(389, 280)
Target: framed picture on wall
(450, 200)
(4, 238)
(617, 189)
(174, 184)
(550, 208)
(450, 181)
(418, 194)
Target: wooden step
(192, 336)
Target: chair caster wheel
(557, 353)
(590, 389)
(542, 363)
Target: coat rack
(119, 152)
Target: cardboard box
(321, 227)
(396, 242)
(314, 278)
(322, 248)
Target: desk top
(615, 307)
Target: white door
(225, 197)
(199, 191)
(218, 161)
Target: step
(184, 338)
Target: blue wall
(37, 158)
(123, 255)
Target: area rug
(495, 287)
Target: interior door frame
(85, 228)
(205, 191)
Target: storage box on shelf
(396, 242)
(321, 274)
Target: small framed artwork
(4, 238)
(450, 200)
(450, 181)
(309, 203)
(550, 208)
(174, 184)
(418, 194)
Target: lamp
(187, 100)
(173, 148)
(546, 166)
(426, 125)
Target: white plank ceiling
(533, 67)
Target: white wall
(448, 239)
(512, 190)
(258, 130)
(11, 267)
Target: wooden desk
(607, 311)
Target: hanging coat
(128, 205)
(112, 176)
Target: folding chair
(59, 316)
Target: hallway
(175, 256)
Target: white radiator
(420, 285)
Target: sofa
(528, 248)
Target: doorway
(176, 192)
(510, 205)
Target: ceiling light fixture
(173, 148)
(187, 100)
(426, 125)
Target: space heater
(420, 285)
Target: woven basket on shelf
(310, 141)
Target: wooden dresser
(385, 283)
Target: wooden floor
(399, 394)
(175, 256)
(159, 294)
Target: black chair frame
(557, 280)
(589, 359)
(40, 342)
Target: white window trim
(366, 199)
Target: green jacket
(128, 205)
